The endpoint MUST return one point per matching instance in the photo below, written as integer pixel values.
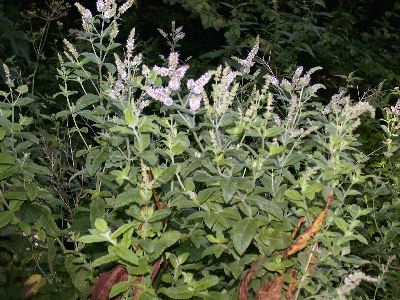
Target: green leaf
(206, 283)
(79, 274)
(3, 133)
(166, 240)
(276, 149)
(22, 89)
(122, 230)
(31, 213)
(242, 234)
(7, 171)
(130, 117)
(228, 190)
(123, 174)
(142, 143)
(274, 131)
(275, 238)
(119, 288)
(205, 194)
(216, 250)
(311, 190)
(126, 254)
(104, 260)
(341, 224)
(361, 239)
(85, 101)
(16, 195)
(159, 215)
(97, 209)
(158, 81)
(94, 160)
(168, 174)
(5, 218)
(23, 101)
(101, 225)
(129, 197)
(46, 220)
(180, 292)
(294, 195)
(88, 239)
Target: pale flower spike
(107, 7)
(196, 88)
(396, 109)
(130, 43)
(71, 48)
(194, 102)
(249, 61)
(87, 17)
(124, 7)
(160, 94)
(120, 68)
(174, 72)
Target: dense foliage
(140, 177)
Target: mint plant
(192, 181)
(155, 184)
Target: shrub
(232, 184)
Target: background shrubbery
(218, 165)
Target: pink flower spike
(194, 102)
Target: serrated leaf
(104, 260)
(274, 131)
(119, 288)
(273, 150)
(228, 190)
(85, 101)
(159, 215)
(5, 218)
(311, 190)
(88, 239)
(341, 224)
(101, 225)
(23, 101)
(166, 240)
(361, 239)
(180, 292)
(275, 238)
(242, 234)
(122, 229)
(127, 198)
(205, 194)
(126, 254)
(22, 89)
(294, 195)
(206, 282)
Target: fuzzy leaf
(180, 292)
(294, 195)
(5, 218)
(119, 288)
(126, 254)
(242, 234)
(85, 101)
(206, 282)
(274, 131)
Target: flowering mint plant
(217, 187)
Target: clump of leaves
(192, 181)
(232, 184)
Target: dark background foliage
(341, 36)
